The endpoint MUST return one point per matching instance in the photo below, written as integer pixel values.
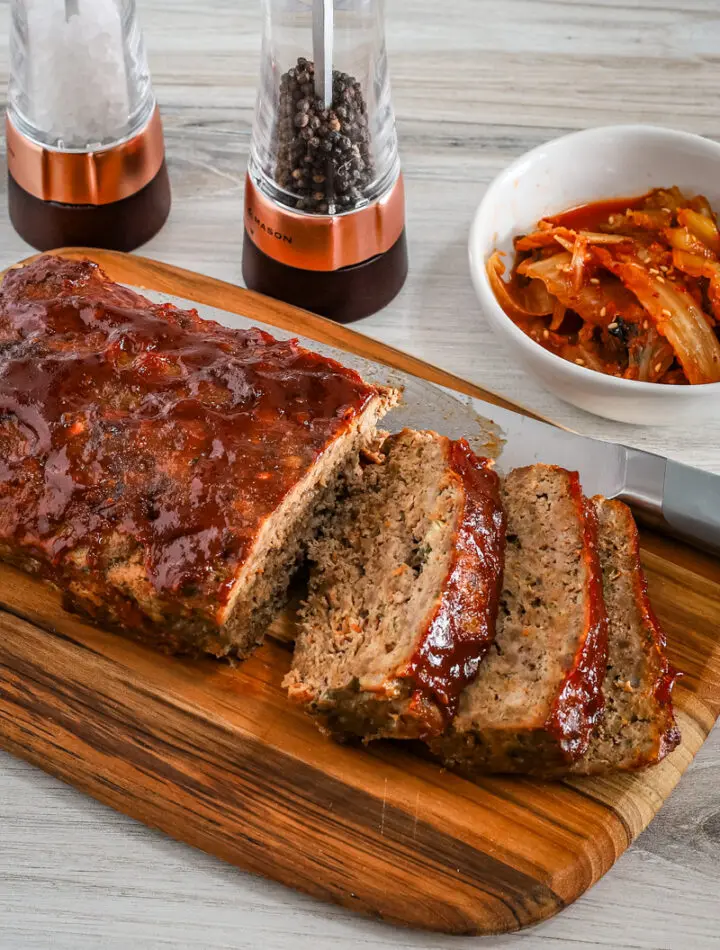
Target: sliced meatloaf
(164, 471)
(403, 592)
(538, 693)
(637, 728)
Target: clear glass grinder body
(79, 78)
(86, 155)
(309, 154)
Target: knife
(677, 498)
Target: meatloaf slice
(538, 693)
(637, 728)
(403, 593)
(164, 471)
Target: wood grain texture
(75, 875)
(217, 757)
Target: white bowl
(616, 161)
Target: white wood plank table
(475, 84)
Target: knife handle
(673, 497)
(691, 504)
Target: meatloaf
(637, 728)
(403, 592)
(164, 471)
(538, 694)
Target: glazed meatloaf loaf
(637, 728)
(538, 694)
(165, 472)
(403, 592)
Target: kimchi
(628, 287)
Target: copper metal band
(86, 178)
(324, 242)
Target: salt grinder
(85, 146)
(324, 199)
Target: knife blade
(680, 500)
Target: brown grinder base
(119, 226)
(343, 295)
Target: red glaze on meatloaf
(538, 693)
(146, 454)
(581, 699)
(638, 727)
(404, 592)
(462, 626)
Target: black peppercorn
(323, 153)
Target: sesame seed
(603, 311)
(666, 312)
(612, 326)
(594, 280)
(664, 268)
(546, 334)
(611, 219)
(667, 210)
(658, 367)
(661, 280)
(645, 325)
(654, 270)
(580, 362)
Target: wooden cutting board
(216, 756)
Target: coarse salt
(77, 82)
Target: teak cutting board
(217, 757)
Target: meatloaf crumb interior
(637, 728)
(403, 592)
(538, 693)
(162, 470)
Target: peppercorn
(322, 150)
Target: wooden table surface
(476, 83)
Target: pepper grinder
(324, 198)
(85, 145)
